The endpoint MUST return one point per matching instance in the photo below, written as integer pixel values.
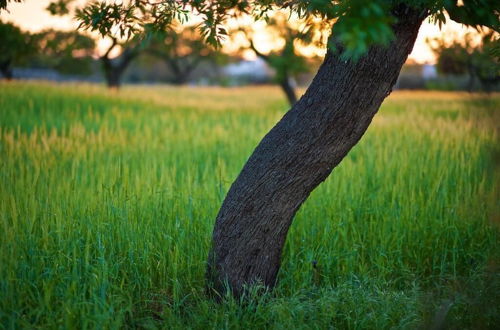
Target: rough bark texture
(297, 155)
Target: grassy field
(107, 202)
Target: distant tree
(182, 49)
(287, 61)
(486, 61)
(480, 60)
(15, 47)
(67, 52)
(114, 68)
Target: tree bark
(297, 155)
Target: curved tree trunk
(287, 87)
(297, 155)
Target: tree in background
(114, 68)
(15, 47)
(182, 49)
(286, 60)
(486, 61)
(66, 52)
(479, 60)
(369, 44)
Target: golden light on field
(31, 15)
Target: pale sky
(31, 15)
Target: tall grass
(107, 202)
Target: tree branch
(257, 52)
(113, 45)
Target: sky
(31, 15)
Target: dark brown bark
(297, 155)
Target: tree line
(182, 48)
(73, 52)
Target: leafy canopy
(286, 60)
(358, 23)
(468, 56)
(66, 52)
(15, 45)
(182, 49)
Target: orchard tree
(286, 60)
(369, 43)
(486, 61)
(114, 67)
(480, 60)
(15, 46)
(67, 52)
(182, 49)
(122, 42)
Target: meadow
(107, 202)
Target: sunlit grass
(107, 202)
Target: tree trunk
(181, 69)
(115, 68)
(289, 90)
(113, 78)
(113, 75)
(180, 79)
(297, 155)
(6, 70)
(472, 74)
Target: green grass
(107, 202)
